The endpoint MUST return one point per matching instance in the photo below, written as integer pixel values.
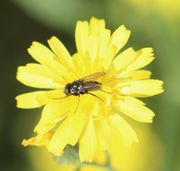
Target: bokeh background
(154, 23)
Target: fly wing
(93, 76)
(91, 86)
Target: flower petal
(135, 109)
(39, 140)
(81, 36)
(82, 66)
(69, 131)
(139, 75)
(143, 58)
(87, 144)
(105, 52)
(42, 54)
(60, 50)
(54, 112)
(124, 59)
(103, 133)
(142, 88)
(120, 129)
(30, 100)
(96, 25)
(119, 38)
(45, 57)
(37, 76)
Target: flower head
(88, 112)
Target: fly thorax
(76, 87)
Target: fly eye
(67, 89)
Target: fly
(84, 85)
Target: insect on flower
(106, 81)
(84, 85)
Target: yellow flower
(140, 157)
(90, 120)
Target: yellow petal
(121, 130)
(96, 25)
(30, 100)
(119, 38)
(56, 94)
(38, 76)
(44, 56)
(143, 58)
(80, 63)
(124, 59)
(130, 60)
(103, 133)
(60, 50)
(39, 140)
(87, 144)
(140, 75)
(54, 112)
(134, 108)
(142, 88)
(105, 53)
(69, 131)
(81, 36)
(88, 40)
(93, 46)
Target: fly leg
(77, 104)
(95, 96)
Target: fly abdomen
(91, 86)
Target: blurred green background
(154, 23)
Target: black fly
(84, 85)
